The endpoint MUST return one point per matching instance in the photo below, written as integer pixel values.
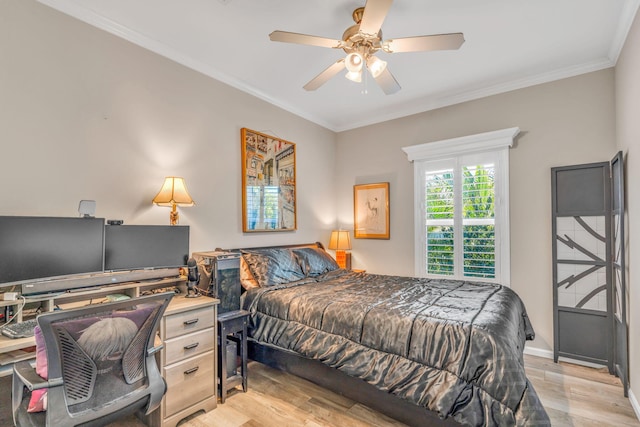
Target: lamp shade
(173, 192)
(354, 76)
(353, 62)
(340, 240)
(376, 66)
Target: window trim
(497, 142)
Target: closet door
(582, 296)
(621, 366)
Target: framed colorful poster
(371, 211)
(268, 183)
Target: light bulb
(376, 66)
(353, 62)
(354, 76)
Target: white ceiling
(509, 44)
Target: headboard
(246, 279)
(299, 245)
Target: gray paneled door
(582, 247)
(620, 356)
(588, 264)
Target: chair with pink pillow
(94, 365)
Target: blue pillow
(315, 261)
(273, 266)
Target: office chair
(101, 364)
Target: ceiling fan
(362, 40)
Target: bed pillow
(273, 266)
(246, 278)
(315, 261)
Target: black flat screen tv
(38, 248)
(130, 247)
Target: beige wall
(565, 122)
(86, 115)
(628, 136)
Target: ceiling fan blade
(324, 76)
(424, 43)
(286, 37)
(374, 13)
(387, 82)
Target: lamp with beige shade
(173, 194)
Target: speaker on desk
(220, 278)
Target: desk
(11, 350)
(187, 360)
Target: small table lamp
(173, 193)
(340, 242)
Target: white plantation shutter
(478, 222)
(462, 207)
(440, 210)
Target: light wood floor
(573, 396)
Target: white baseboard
(548, 354)
(534, 351)
(581, 362)
(634, 403)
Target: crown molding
(92, 18)
(629, 11)
(444, 99)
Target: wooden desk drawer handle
(191, 322)
(191, 371)
(190, 346)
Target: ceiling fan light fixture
(353, 62)
(361, 41)
(354, 76)
(376, 66)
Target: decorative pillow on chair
(38, 400)
(315, 261)
(273, 266)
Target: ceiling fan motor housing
(364, 44)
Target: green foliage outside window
(478, 212)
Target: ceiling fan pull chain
(365, 78)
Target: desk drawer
(189, 321)
(188, 345)
(189, 382)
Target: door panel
(581, 227)
(618, 271)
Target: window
(459, 210)
(462, 207)
(262, 207)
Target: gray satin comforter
(454, 347)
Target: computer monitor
(36, 248)
(129, 247)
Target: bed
(424, 352)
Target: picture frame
(371, 211)
(268, 183)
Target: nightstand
(232, 351)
